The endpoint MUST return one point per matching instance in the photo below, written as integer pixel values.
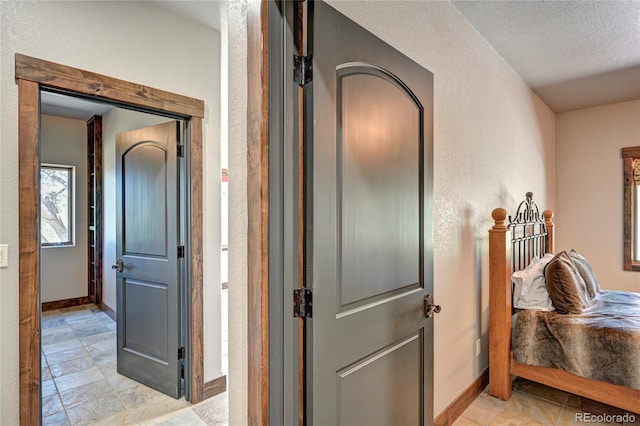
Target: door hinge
(180, 252)
(302, 69)
(181, 361)
(180, 150)
(302, 303)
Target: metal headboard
(529, 235)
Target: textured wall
(236, 36)
(493, 141)
(64, 269)
(134, 41)
(589, 187)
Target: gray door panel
(378, 175)
(144, 175)
(148, 288)
(369, 227)
(362, 401)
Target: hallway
(80, 384)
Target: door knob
(429, 307)
(119, 265)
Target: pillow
(586, 272)
(567, 289)
(530, 291)
(519, 278)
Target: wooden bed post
(548, 221)
(500, 307)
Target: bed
(515, 242)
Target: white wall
(134, 41)
(63, 270)
(589, 187)
(494, 140)
(115, 121)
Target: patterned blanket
(602, 343)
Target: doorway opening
(86, 371)
(33, 76)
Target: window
(631, 160)
(57, 205)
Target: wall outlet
(4, 255)
(478, 347)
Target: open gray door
(369, 229)
(148, 291)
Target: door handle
(428, 306)
(119, 265)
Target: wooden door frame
(32, 75)
(258, 212)
(268, 280)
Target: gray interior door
(148, 291)
(369, 230)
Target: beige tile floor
(80, 385)
(535, 404)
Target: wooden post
(500, 307)
(548, 221)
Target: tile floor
(535, 404)
(80, 385)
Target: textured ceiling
(70, 107)
(204, 12)
(574, 54)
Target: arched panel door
(369, 230)
(148, 273)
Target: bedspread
(602, 343)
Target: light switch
(4, 255)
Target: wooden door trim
(57, 76)
(196, 352)
(258, 211)
(31, 75)
(29, 250)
